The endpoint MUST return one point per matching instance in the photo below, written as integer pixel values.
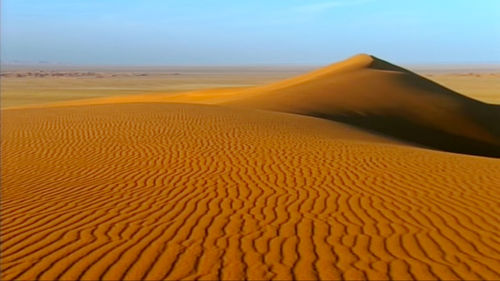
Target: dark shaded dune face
(403, 129)
(171, 191)
(373, 94)
(485, 115)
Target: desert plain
(360, 170)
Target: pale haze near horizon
(260, 32)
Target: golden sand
(142, 188)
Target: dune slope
(369, 93)
(373, 94)
(173, 191)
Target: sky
(257, 32)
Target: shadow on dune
(378, 96)
(488, 115)
(406, 130)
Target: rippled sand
(142, 188)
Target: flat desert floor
(285, 180)
(29, 85)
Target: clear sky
(239, 32)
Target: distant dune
(322, 176)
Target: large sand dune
(374, 94)
(136, 188)
(366, 92)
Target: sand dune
(373, 94)
(366, 92)
(140, 187)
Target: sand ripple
(170, 191)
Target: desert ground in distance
(359, 170)
(27, 85)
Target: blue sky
(234, 32)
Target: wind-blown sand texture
(142, 188)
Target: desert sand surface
(32, 85)
(264, 182)
(478, 85)
(28, 85)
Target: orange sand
(142, 189)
